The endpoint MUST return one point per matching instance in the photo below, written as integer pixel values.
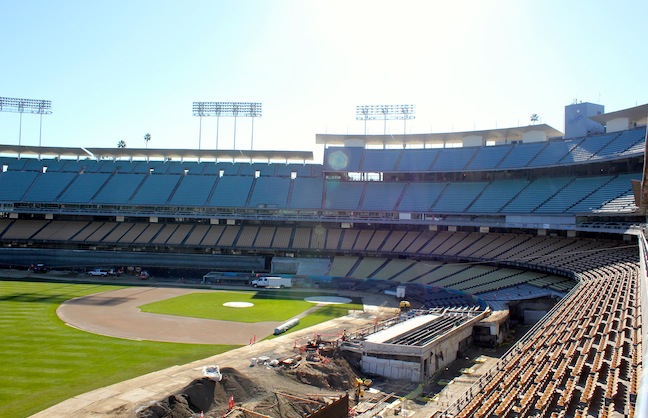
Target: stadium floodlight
(228, 109)
(385, 112)
(15, 105)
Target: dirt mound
(205, 395)
(330, 373)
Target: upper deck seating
(497, 194)
(193, 190)
(521, 155)
(47, 186)
(376, 161)
(453, 159)
(342, 194)
(347, 159)
(574, 192)
(14, 184)
(270, 192)
(553, 152)
(419, 197)
(379, 196)
(119, 189)
(587, 148)
(457, 196)
(487, 158)
(83, 188)
(306, 193)
(231, 191)
(156, 189)
(536, 193)
(631, 141)
(417, 160)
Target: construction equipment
(360, 386)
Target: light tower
(231, 109)
(40, 107)
(385, 112)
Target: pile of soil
(333, 374)
(312, 382)
(205, 395)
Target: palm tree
(147, 138)
(534, 118)
(121, 144)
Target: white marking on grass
(328, 300)
(238, 304)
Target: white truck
(272, 282)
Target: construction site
(393, 361)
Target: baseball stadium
(480, 231)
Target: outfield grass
(43, 361)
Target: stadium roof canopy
(637, 114)
(497, 135)
(151, 153)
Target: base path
(116, 314)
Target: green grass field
(210, 306)
(273, 306)
(44, 362)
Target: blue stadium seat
(417, 160)
(231, 191)
(454, 159)
(84, 187)
(270, 192)
(156, 189)
(497, 194)
(553, 152)
(15, 164)
(14, 184)
(306, 193)
(586, 149)
(380, 196)
(342, 195)
(619, 186)
(343, 159)
(119, 188)
(628, 142)
(521, 154)
(419, 197)
(380, 160)
(47, 186)
(536, 193)
(193, 190)
(574, 192)
(457, 196)
(487, 158)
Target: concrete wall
(618, 124)
(534, 136)
(473, 141)
(393, 369)
(379, 359)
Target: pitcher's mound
(238, 304)
(330, 300)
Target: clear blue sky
(115, 70)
